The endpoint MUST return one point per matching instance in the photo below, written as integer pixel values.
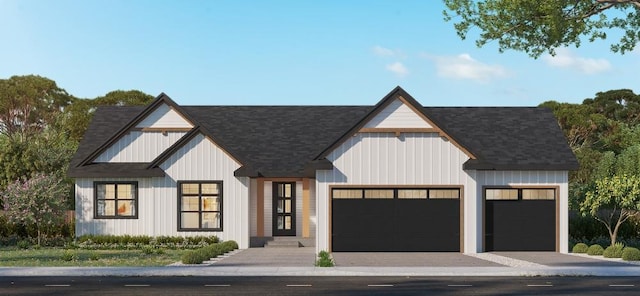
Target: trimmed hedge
(580, 248)
(614, 251)
(595, 250)
(211, 251)
(98, 242)
(630, 254)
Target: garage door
(395, 220)
(520, 219)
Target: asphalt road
(319, 285)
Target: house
(396, 176)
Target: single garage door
(395, 220)
(520, 219)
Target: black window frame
(220, 211)
(115, 199)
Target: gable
(139, 146)
(164, 117)
(397, 115)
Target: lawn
(13, 256)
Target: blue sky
(289, 53)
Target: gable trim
(160, 99)
(405, 98)
(186, 139)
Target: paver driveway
(409, 259)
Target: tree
(39, 200)
(78, 114)
(613, 201)
(539, 26)
(28, 104)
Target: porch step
(283, 244)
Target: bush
(630, 254)
(595, 250)
(69, 256)
(147, 250)
(211, 251)
(93, 242)
(580, 248)
(24, 244)
(94, 256)
(324, 260)
(614, 251)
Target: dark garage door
(395, 220)
(520, 220)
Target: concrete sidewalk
(319, 271)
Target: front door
(284, 209)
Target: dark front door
(284, 209)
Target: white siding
(164, 116)
(253, 204)
(397, 115)
(523, 179)
(384, 159)
(138, 146)
(198, 160)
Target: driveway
(409, 259)
(560, 260)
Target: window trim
(115, 216)
(520, 193)
(220, 211)
(395, 189)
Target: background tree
(613, 201)
(539, 26)
(28, 104)
(39, 200)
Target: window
(520, 194)
(200, 206)
(118, 200)
(399, 193)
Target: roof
(291, 141)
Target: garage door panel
(520, 225)
(395, 225)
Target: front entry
(284, 209)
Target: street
(318, 285)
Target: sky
(294, 52)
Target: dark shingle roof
(279, 141)
(507, 138)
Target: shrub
(205, 253)
(147, 250)
(191, 257)
(595, 250)
(93, 256)
(614, 251)
(23, 244)
(580, 248)
(630, 254)
(69, 256)
(324, 260)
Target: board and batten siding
(164, 117)
(397, 115)
(558, 179)
(198, 160)
(202, 160)
(420, 159)
(86, 224)
(138, 146)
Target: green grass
(47, 257)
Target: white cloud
(387, 52)
(398, 68)
(566, 59)
(463, 66)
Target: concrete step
(283, 244)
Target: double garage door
(395, 220)
(429, 219)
